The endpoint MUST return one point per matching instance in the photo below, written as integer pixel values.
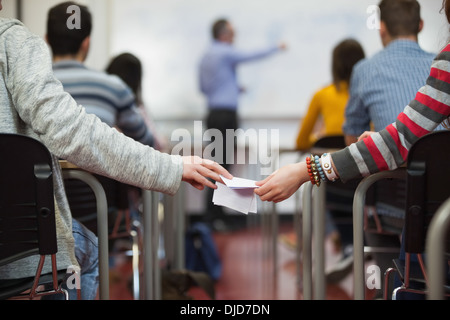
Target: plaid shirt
(382, 86)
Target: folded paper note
(239, 183)
(237, 194)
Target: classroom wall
(171, 36)
(9, 9)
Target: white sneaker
(343, 267)
(339, 270)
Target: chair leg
(55, 287)
(386, 282)
(135, 262)
(422, 267)
(33, 292)
(122, 214)
(397, 290)
(117, 223)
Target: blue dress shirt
(218, 80)
(382, 86)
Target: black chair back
(27, 213)
(331, 142)
(428, 175)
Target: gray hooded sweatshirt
(33, 103)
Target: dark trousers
(222, 120)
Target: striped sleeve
(388, 149)
(133, 125)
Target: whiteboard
(170, 36)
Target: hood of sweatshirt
(7, 23)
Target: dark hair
(446, 9)
(129, 68)
(62, 39)
(402, 17)
(345, 55)
(219, 27)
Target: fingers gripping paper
(237, 194)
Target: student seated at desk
(326, 110)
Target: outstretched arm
(283, 183)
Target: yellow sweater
(329, 105)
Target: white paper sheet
(239, 183)
(237, 194)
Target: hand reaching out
(196, 171)
(283, 183)
(365, 135)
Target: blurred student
(383, 83)
(219, 83)
(101, 94)
(128, 67)
(327, 106)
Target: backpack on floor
(201, 251)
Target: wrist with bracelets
(320, 169)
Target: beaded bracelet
(328, 168)
(319, 168)
(310, 172)
(315, 171)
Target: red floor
(248, 271)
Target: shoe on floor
(343, 267)
(339, 270)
